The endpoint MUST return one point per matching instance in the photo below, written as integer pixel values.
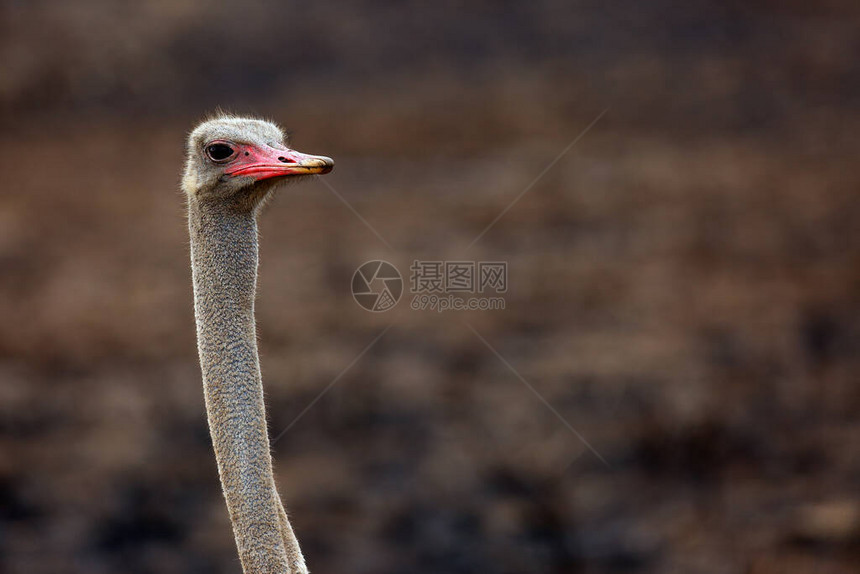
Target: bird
(233, 166)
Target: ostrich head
(238, 161)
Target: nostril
(283, 159)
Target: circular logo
(377, 286)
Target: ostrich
(233, 165)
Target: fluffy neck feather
(224, 257)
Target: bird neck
(224, 257)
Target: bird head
(240, 160)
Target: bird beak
(266, 162)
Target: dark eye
(219, 151)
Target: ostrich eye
(219, 151)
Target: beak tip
(324, 164)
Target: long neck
(224, 258)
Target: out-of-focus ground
(684, 285)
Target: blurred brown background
(684, 284)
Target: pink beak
(264, 162)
